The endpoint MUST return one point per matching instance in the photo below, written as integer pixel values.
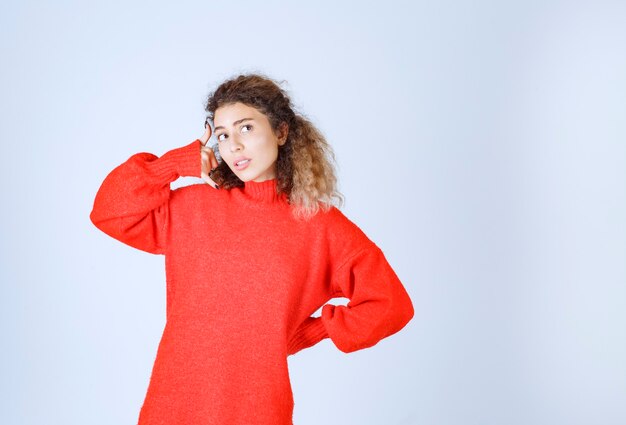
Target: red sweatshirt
(243, 279)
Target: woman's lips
(242, 164)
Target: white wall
(480, 144)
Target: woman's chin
(247, 175)
(243, 176)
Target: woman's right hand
(207, 155)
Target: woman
(249, 257)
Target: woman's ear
(284, 132)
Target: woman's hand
(207, 155)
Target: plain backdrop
(481, 144)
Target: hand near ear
(209, 162)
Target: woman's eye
(246, 125)
(218, 137)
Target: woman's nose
(235, 144)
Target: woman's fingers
(207, 132)
(208, 180)
(209, 162)
(208, 157)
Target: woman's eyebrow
(235, 123)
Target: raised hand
(209, 162)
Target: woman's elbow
(401, 312)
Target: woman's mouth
(242, 163)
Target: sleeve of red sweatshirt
(132, 204)
(379, 304)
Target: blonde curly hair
(305, 169)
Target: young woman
(250, 255)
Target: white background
(480, 144)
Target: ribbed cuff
(309, 333)
(184, 161)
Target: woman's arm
(132, 204)
(379, 305)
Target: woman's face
(246, 141)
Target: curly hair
(305, 169)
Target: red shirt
(243, 279)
